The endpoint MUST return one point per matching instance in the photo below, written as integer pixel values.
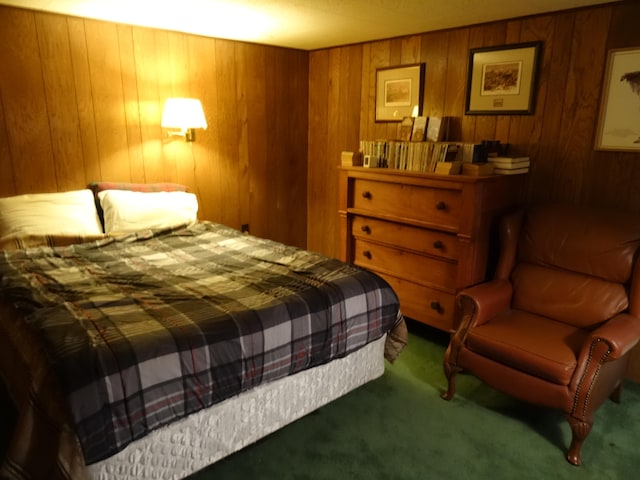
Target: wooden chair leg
(580, 429)
(450, 372)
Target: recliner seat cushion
(530, 343)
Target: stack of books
(509, 165)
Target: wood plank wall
(81, 100)
(559, 137)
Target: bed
(140, 342)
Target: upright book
(419, 128)
(437, 129)
(406, 128)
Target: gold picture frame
(399, 92)
(502, 80)
(619, 119)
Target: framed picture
(399, 92)
(619, 120)
(502, 80)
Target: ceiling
(302, 24)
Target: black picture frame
(503, 80)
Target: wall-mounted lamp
(185, 114)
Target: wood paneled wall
(81, 100)
(559, 136)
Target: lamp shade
(183, 113)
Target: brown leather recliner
(556, 325)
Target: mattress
(205, 437)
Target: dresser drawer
(432, 242)
(422, 303)
(427, 205)
(412, 266)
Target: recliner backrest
(574, 264)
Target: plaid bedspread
(150, 327)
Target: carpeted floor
(398, 427)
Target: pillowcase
(128, 211)
(70, 213)
(97, 187)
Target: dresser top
(392, 174)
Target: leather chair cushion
(580, 300)
(565, 237)
(530, 343)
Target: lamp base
(189, 134)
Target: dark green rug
(398, 427)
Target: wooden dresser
(427, 235)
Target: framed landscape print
(619, 120)
(399, 92)
(502, 80)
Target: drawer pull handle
(366, 195)
(367, 254)
(438, 244)
(435, 305)
(441, 205)
(366, 229)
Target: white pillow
(129, 211)
(60, 213)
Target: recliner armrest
(621, 333)
(484, 301)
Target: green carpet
(398, 427)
